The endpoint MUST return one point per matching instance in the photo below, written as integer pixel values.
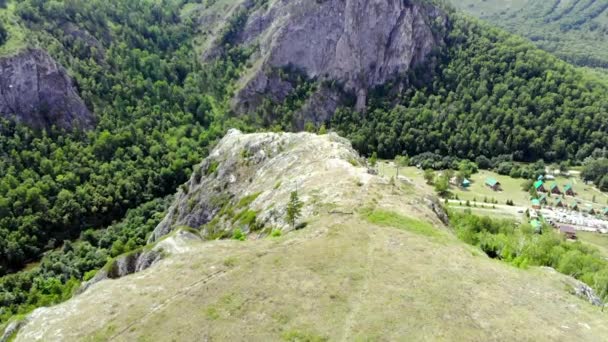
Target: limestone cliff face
(36, 90)
(357, 43)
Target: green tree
(3, 34)
(373, 160)
(401, 161)
(429, 176)
(322, 130)
(603, 184)
(294, 209)
(442, 186)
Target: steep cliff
(357, 44)
(36, 90)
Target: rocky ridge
(246, 181)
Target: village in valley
(561, 200)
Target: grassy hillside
(386, 274)
(574, 30)
(136, 66)
(374, 261)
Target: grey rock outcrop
(246, 182)
(143, 259)
(585, 292)
(12, 329)
(37, 91)
(359, 44)
(123, 266)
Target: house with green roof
(590, 209)
(569, 190)
(493, 184)
(574, 205)
(466, 183)
(543, 199)
(555, 189)
(536, 203)
(539, 186)
(605, 211)
(559, 203)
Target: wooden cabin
(539, 185)
(536, 204)
(569, 190)
(574, 206)
(554, 189)
(493, 184)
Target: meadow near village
(545, 197)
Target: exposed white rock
(267, 167)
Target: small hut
(543, 199)
(493, 184)
(569, 190)
(536, 204)
(574, 205)
(539, 186)
(559, 203)
(466, 183)
(555, 189)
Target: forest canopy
(492, 94)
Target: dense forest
(156, 119)
(493, 94)
(160, 110)
(573, 30)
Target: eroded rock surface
(246, 182)
(359, 44)
(36, 90)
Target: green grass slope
(343, 279)
(574, 30)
